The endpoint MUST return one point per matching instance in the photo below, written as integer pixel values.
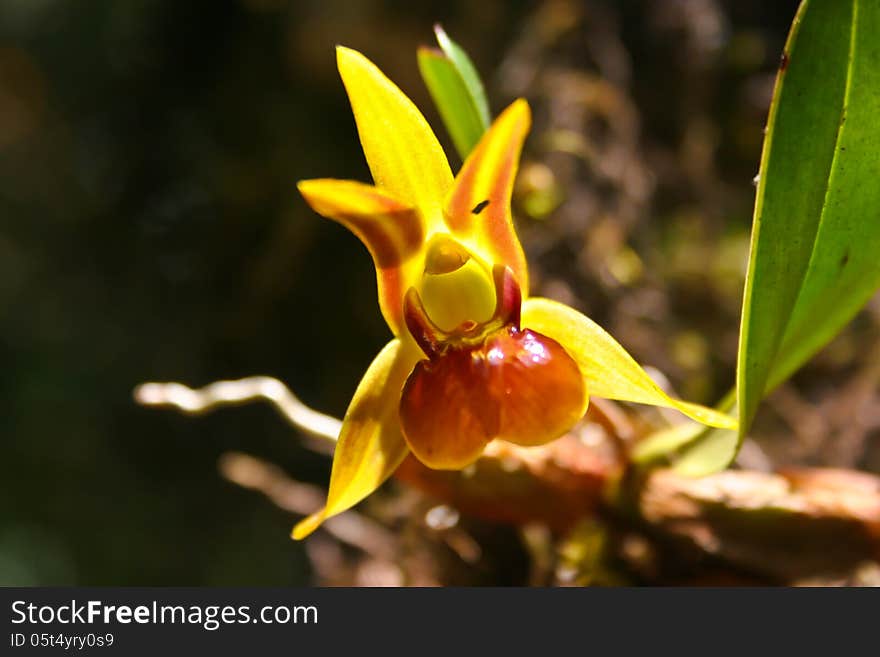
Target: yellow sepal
(370, 445)
(392, 231)
(477, 208)
(402, 151)
(608, 369)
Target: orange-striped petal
(402, 151)
(609, 371)
(477, 209)
(370, 445)
(391, 230)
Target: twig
(242, 391)
(299, 498)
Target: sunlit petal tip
(610, 372)
(370, 445)
(349, 196)
(307, 525)
(392, 231)
(390, 228)
(402, 151)
(520, 113)
(349, 59)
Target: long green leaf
(451, 98)
(815, 253)
(457, 92)
(844, 269)
(468, 72)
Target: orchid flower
(473, 358)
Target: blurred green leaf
(468, 72)
(457, 91)
(665, 441)
(815, 254)
(701, 450)
(714, 451)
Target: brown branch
(791, 526)
(268, 479)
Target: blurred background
(150, 229)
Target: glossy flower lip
(484, 381)
(473, 358)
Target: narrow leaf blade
(799, 150)
(844, 270)
(816, 235)
(468, 73)
(453, 100)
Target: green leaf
(815, 253)
(714, 450)
(468, 72)
(457, 92)
(844, 269)
(665, 441)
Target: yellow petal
(478, 206)
(392, 231)
(370, 445)
(609, 371)
(402, 151)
